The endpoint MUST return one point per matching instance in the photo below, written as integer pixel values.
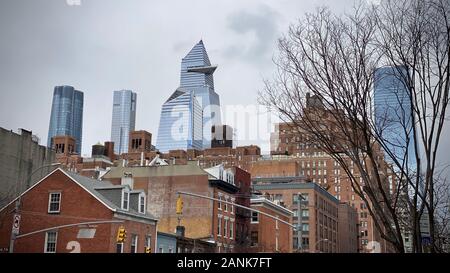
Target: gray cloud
(258, 31)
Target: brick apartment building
(65, 198)
(316, 211)
(289, 145)
(203, 219)
(266, 233)
(101, 159)
(348, 229)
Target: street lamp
(18, 203)
(321, 240)
(299, 222)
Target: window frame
(46, 241)
(134, 243)
(257, 218)
(142, 203)
(50, 201)
(125, 192)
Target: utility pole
(299, 223)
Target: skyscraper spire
(194, 107)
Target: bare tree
(334, 59)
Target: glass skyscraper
(123, 119)
(393, 112)
(180, 125)
(196, 78)
(67, 115)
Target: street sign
(16, 224)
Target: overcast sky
(106, 45)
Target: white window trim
(219, 226)
(225, 226)
(148, 240)
(50, 200)
(123, 200)
(231, 230)
(46, 241)
(251, 219)
(136, 245)
(140, 203)
(121, 247)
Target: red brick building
(203, 219)
(348, 229)
(289, 144)
(65, 198)
(266, 233)
(315, 210)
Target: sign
(86, 233)
(16, 224)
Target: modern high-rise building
(196, 77)
(180, 125)
(67, 115)
(123, 119)
(393, 113)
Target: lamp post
(321, 240)
(299, 222)
(18, 204)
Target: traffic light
(148, 249)
(179, 205)
(121, 235)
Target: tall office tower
(67, 115)
(196, 77)
(123, 119)
(180, 125)
(393, 113)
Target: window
(119, 248)
(225, 228)
(50, 242)
(305, 213)
(231, 230)
(142, 203)
(125, 198)
(148, 241)
(54, 202)
(219, 226)
(225, 205)
(134, 241)
(232, 206)
(254, 217)
(305, 227)
(220, 203)
(254, 238)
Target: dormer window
(142, 203)
(125, 199)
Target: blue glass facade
(393, 112)
(180, 125)
(196, 78)
(123, 119)
(67, 115)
